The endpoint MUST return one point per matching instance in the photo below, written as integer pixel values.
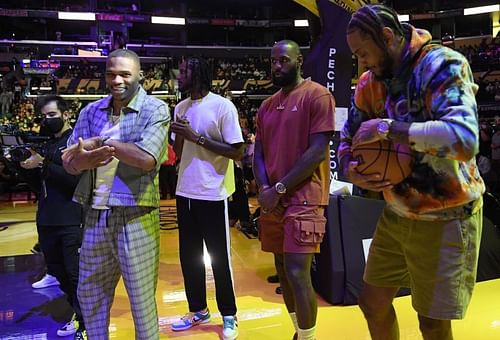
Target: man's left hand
(181, 127)
(35, 161)
(268, 199)
(367, 133)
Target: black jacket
(55, 188)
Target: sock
(307, 334)
(293, 316)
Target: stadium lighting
(168, 20)
(403, 18)
(89, 16)
(301, 23)
(481, 9)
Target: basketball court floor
(27, 313)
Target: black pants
(238, 207)
(61, 247)
(205, 221)
(168, 180)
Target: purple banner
(330, 62)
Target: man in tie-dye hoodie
(422, 95)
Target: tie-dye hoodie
(435, 92)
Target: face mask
(53, 125)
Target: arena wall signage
(330, 60)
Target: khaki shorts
(436, 259)
(300, 229)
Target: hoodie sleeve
(449, 96)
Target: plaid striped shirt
(144, 122)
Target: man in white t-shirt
(207, 140)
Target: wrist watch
(201, 140)
(280, 188)
(383, 128)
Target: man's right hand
(78, 158)
(368, 182)
(91, 143)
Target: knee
(298, 276)
(372, 307)
(432, 326)
(367, 306)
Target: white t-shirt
(106, 174)
(203, 174)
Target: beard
(385, 67)
(286, 78)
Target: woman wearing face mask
(58, 218)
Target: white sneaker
(229, 327)
(46, 281)
(69, 328)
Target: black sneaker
(36, 248)
(81, 334)
(273, 279)
(69, 328)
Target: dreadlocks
(201, 73)
(371, 19)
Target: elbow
(148, 164)
(468, 151)
(466, 147)
(239, 155)
(320, 155)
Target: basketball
(391, 160)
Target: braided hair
(371, 19)
(201, 72)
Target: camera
(18, 153)
(15, 145)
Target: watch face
(280, 188)
(383, 128)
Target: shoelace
(190, 316)
(229, 323)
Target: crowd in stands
(485, 59)
(484, 56)
(488, 158)
(248, 68)
(489, 91)
(18, 111)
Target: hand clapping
(87, 154)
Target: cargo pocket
(309, 229)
